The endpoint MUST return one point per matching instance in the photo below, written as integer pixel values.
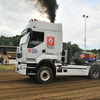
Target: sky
(15, 15)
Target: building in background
(10, 51)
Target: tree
(64, 45)
(10, 41)
(75, 48)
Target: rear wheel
(94, 72)
(44, 75)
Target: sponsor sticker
(50, 42)
(34, 51)
(29, 50)
(82, 56)
(90, 57)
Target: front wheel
(94, 72)
(44, 75)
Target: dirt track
(14, 86)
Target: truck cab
(40, 42)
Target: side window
(36, 39)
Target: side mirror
(63, 53)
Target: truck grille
(19, 55)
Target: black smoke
(48, 7)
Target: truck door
(36, 45)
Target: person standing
(4, 57)
(6, 60)
(1, 60)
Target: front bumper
(21, 68)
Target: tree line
(76, 48)
(10, 41)
(14, 41)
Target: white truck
(40, 54)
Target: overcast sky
(15, 15)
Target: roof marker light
(34, 19)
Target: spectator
(1, 60)
(6, 60)
(4, 57)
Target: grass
(7, 67)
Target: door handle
(43, 51)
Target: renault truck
(40, 54)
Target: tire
(44, 75)
(94, 72)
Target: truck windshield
(24, 39)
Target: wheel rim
(45, 75)
(95, 73)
